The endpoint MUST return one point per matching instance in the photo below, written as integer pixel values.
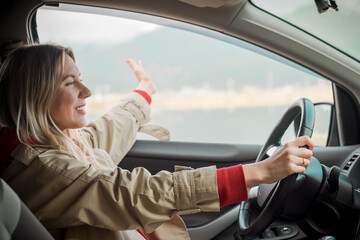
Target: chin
(79, 124)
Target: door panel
(157, 155)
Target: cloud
(63, 27)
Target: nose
(84, 92)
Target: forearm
(115, 131)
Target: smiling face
(68, 104)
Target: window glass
(337, 28)
(208, 90)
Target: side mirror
(323, 123)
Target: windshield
(338, 28)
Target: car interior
(323, 203)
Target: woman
(66, 171)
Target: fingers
(144, 82)
(298, 158)
(303, 153)
(306, 163)
(299, 169)
(295, 148)
(302, 162)
(303, 156)
(304, 141)
(297, 164)
(131, 63)
(138, 69)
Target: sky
(121, 29)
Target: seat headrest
(10, 209)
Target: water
(240, 125)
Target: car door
(218, 96)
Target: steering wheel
(270, 197)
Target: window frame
(224, 37)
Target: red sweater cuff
(144, 94)
(142, 234)
(231, 185)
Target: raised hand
(145, 83)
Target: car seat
(16, 220)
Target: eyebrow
(70, 75)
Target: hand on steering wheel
(289, 159)
(271, 196)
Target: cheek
(62, 105)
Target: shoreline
(248, 97)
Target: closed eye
(73, 82)
(70, 83)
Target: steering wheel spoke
(265, 192)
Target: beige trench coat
(75, 201)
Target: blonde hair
(29, 79)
